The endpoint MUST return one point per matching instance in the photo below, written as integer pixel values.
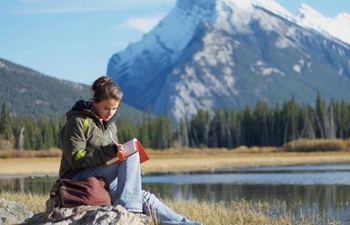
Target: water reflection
(39, 185)
(319, 178)
(325, 195)
(317, 189)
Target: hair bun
(104, 88)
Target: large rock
(15, 213)
(12, 212)
(116, 215)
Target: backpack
(67, 193)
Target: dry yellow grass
(320, 145)
(235, 213)
(186, 160)
(295, 152)
(31, 166)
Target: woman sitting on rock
(89, 143)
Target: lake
(308, 189)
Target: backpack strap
(81, 153)
(86, 125)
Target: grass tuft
(316, 145)
(52, 152)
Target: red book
(131, 147)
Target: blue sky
(74, 39)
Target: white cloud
(142, 24)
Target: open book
(131, 147)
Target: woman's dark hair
(104, 88)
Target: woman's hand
(120, 148)
(120, 153)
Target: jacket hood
(82, 105)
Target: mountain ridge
(29, 93)
(230, 54)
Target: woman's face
(105, 109)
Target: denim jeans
(124, 180)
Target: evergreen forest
(258, 126)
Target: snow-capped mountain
(338, 27)
(217, 54)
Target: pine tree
(199, 129)
(6, 123)
(290, 120)
(234, 129)
(261, 130)
(320, 116)
(182, 133)
(247, 126)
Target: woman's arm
(75, 148)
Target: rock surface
(88, 215)
(12, 212)
(16, 213)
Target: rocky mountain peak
(221, 54)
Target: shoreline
(171, 163)
(43, 175)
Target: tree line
(258, 126)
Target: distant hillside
(31, 93)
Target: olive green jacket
(86, 141)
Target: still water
(315, 189)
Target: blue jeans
(124, 180)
